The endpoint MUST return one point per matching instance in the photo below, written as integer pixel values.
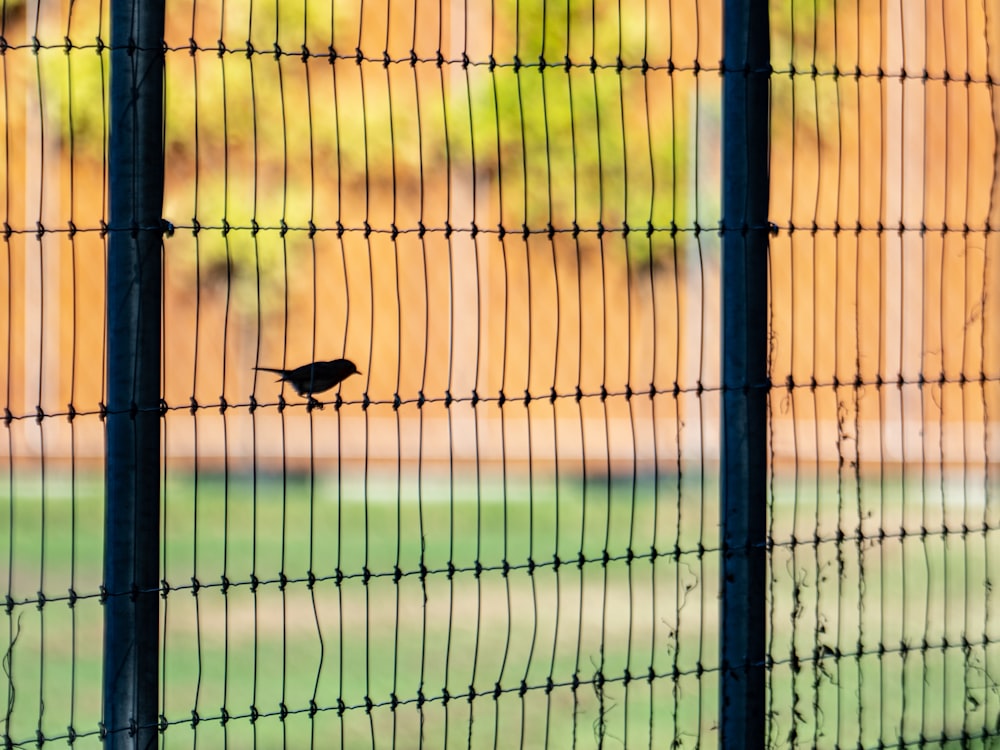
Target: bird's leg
(313, 403)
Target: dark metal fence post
(744, 372)
(132, 501)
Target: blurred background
(258, 141)
(506, 214)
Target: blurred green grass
(274, 644)
(874, 639)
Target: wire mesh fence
(505, 530)
(883, 509)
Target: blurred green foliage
(560, 115)
(567, 126)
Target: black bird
(315, 377)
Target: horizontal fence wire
(504, 531)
